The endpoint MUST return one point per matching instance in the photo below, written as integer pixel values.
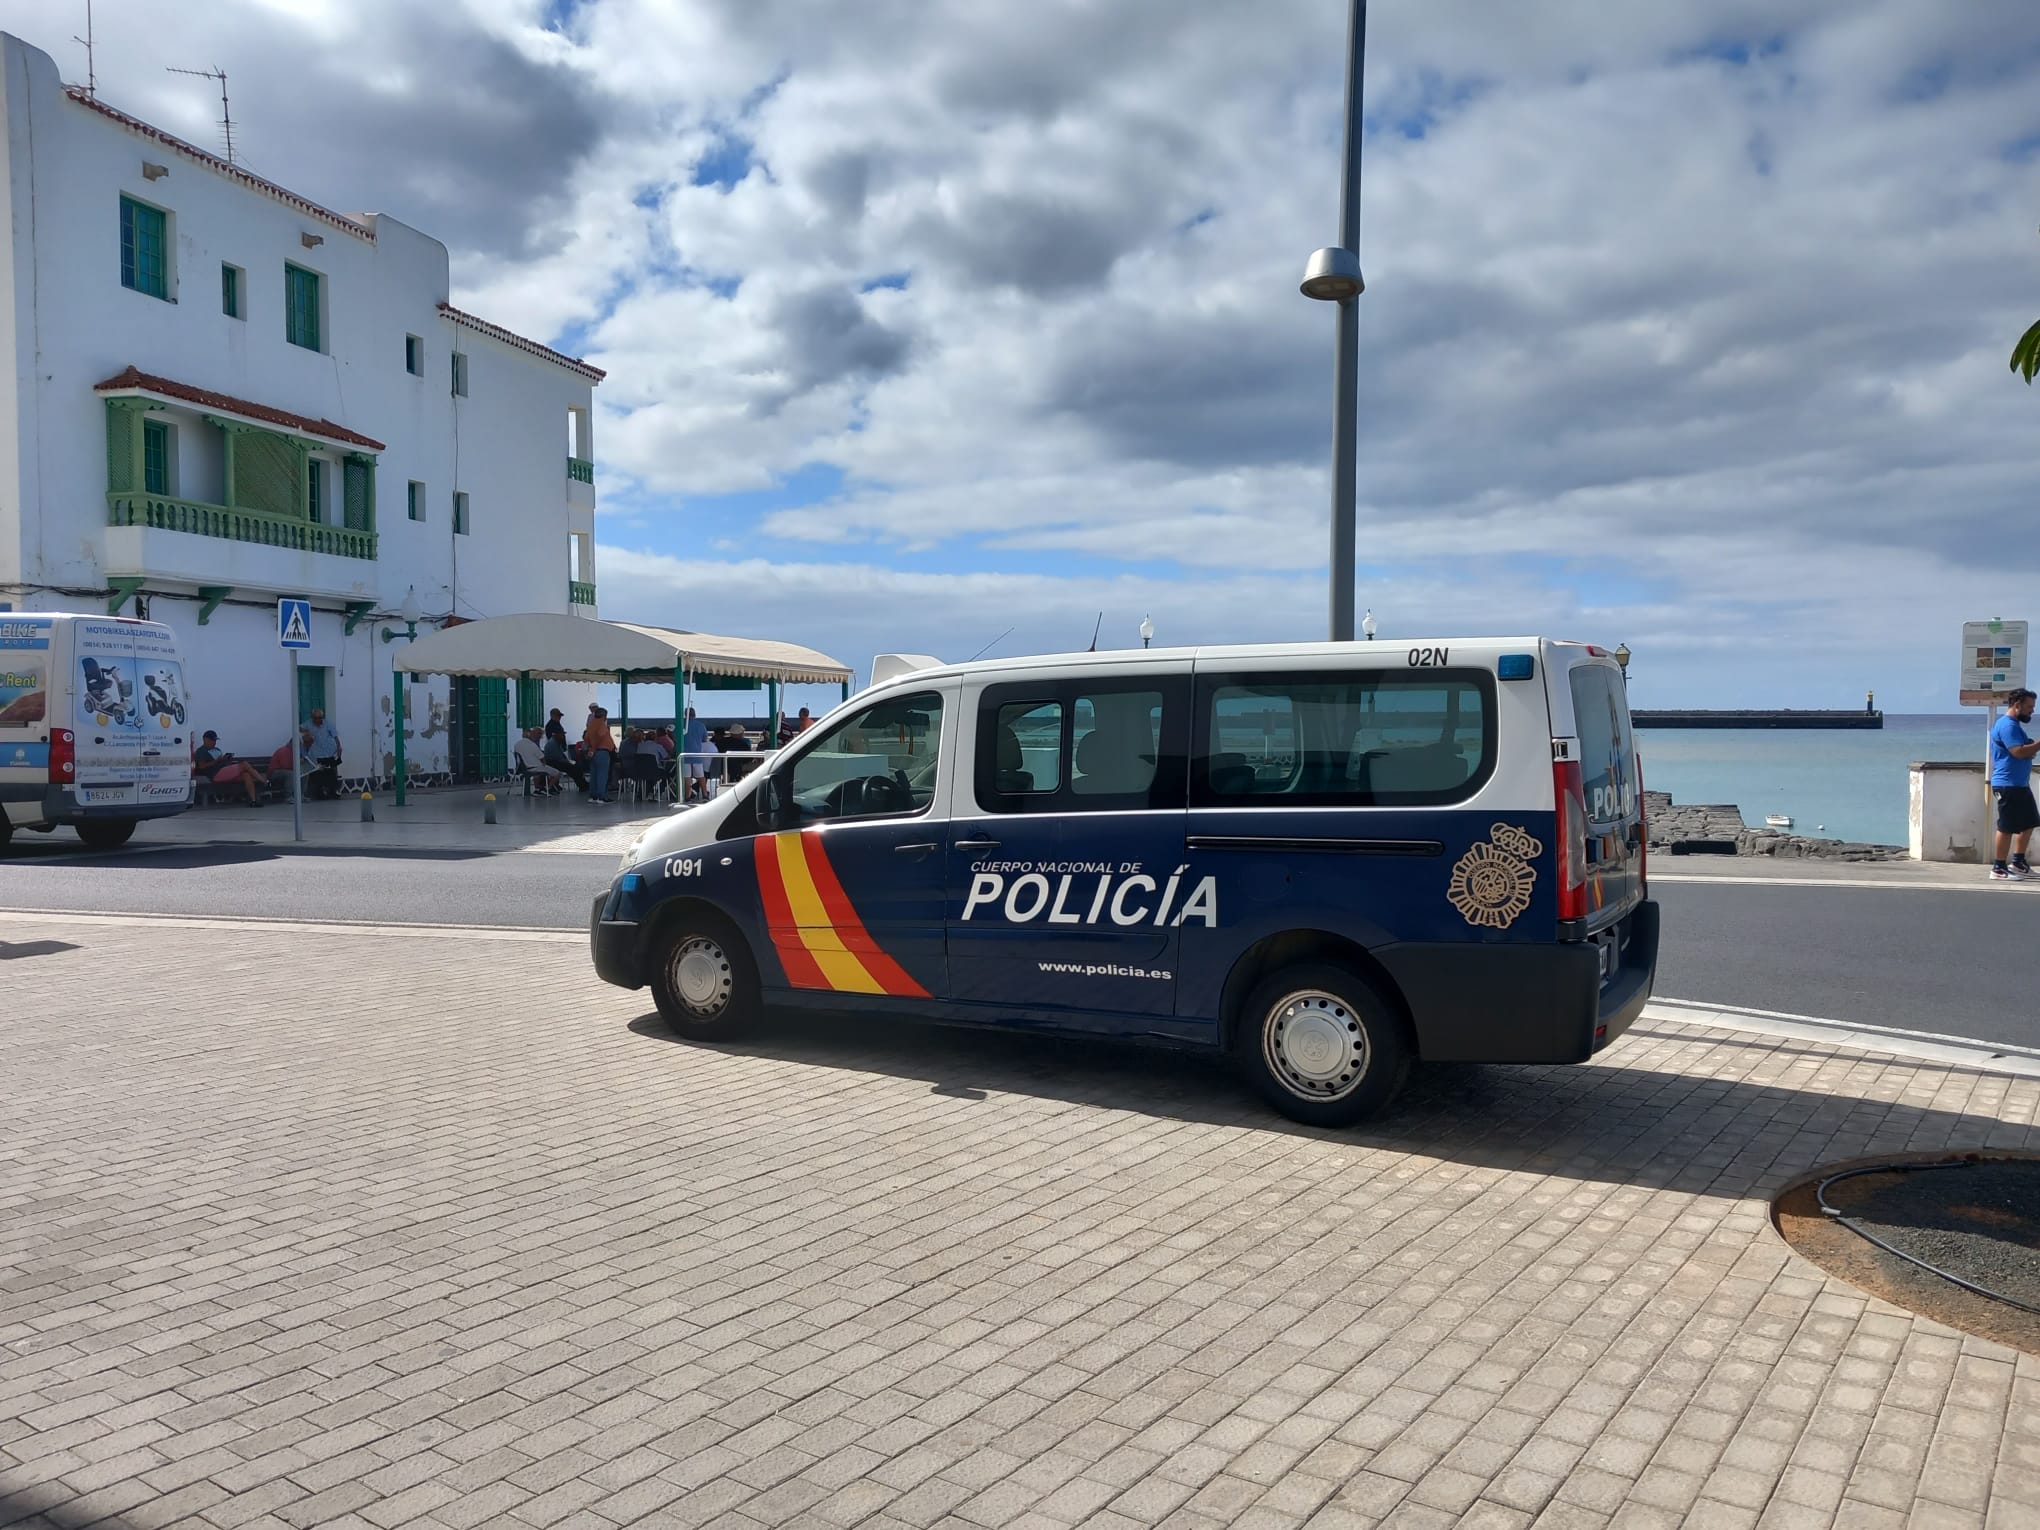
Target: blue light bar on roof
(1516, 666)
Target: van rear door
(107, 713)
(1607, 754)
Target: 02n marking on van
(1429, 658)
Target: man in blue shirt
(2011, 778)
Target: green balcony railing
(581, 470)
(161, 513)
(580, 593)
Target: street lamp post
(410, 614)
(1332, 275)
(1147, 630)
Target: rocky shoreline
(1683, 829)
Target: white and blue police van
(94, 725)
(1329, 860)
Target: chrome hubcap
(1314, 1043)
(702, 976)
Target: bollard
(368, 807)
(489, 808)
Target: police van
(94, 725)
(1330, 860)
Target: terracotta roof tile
(145, 382)
(498, 332)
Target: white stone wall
(67, 323)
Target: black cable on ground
(1820, 1197)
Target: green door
(493, 700)
(311, 691)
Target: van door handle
(977, 844)
(915, 850)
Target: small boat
(1778, 820)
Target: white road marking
(1933, 1046)
(1885, 884)
(544, 934)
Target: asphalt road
(1950, 962)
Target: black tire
(1321, 1045)
(6, 829)
(106, 833)
(703, 979)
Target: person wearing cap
(223, 769)
(2011, 781)
(556, 728)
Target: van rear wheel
(703, 981)
(1321, 1044)
(106, 833)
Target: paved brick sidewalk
(321, 1226)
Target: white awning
(548, 646)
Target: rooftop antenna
(1094, 633)
(226, 116)
(999, 639)
(91, 73)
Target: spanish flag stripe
(844, 972)
(801, 969)
(892, 977)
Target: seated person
(555, 754)
(223, 769)
(531, 759)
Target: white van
(94, 725)
(1330, 860)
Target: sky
(942, 326)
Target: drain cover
(1955, 1237)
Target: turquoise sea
(1853, 783)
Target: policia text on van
(1330, 860)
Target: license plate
(1605, 944)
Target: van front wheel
(106, 833)
(1321, 1045)
(703, 981)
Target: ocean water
(1853, 783)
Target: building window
(460, 514)
(156, 457)
(301, 307)
(459, 375)
(415, 500)
(144, 248)
(315, 475)
(230, 292)
(414, 355)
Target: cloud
(1684, 322)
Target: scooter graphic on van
(160, 698)
(106, 694)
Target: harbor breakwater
(1673, 825)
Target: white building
(215, 392)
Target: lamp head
(410, 611)
(1367, 628)
(1147, 630)
(1622, 655)
(1332, 275)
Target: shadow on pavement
(1600, 1121)
(194, 857)
(18, 950)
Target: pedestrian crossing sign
(294, 623)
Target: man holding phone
(2011, 780)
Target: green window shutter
(415, 501)
(120, 447)
(460, 514)
(230, 292)
(301, 307)
(530, 704)
(265, 472)
(315, 471)
(155, 457)
(354, 495)
(492, 699)
(143, 249)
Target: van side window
(1375, 738)
(877, 763)
(1071, 746)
